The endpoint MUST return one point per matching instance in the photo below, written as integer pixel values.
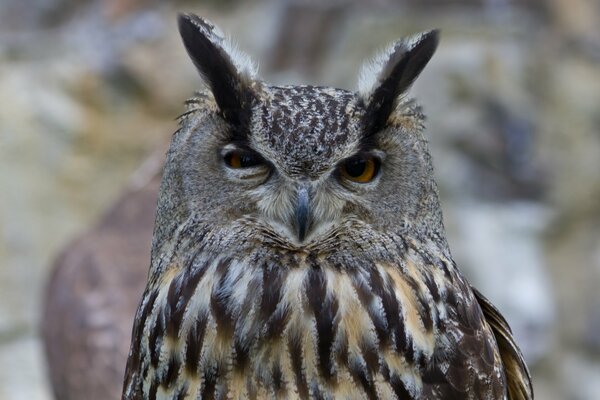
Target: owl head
(296, 166)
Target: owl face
(301, 162)
(308, 140)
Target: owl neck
(295, 322)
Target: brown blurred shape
(94, 291)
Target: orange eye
(242, 159)
(360, 169)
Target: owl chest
(271, 332)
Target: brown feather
(515, 369)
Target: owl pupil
(356, 167)
(239, 159)
(247, 160)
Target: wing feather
(515, 369)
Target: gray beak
(303, 212)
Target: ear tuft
(227, 72)
(385, 79)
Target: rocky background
(88, 89)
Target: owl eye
(361, 169)
(242, 159)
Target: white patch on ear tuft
(245, 65)
(370, 71)
(374, 71)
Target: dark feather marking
(396, 324)
(214, 64)
(517, 374)
(408, 351)
(433, 375)
(194, 343)
(342, 350)
(433, 288)
(220, 299)
(464, 369)
(435, 378)
(242, 350)
(295, 349)
(186, 114)
(402, 345)
(447, 272)
(371, 355)
(176, 308)
(138, 330)
(210, 383)
(194, 100)
(389, 303)
(180, 292)
(155, 339)
(324, 308)
(145, 369)
(487, 355)
(278, 382)
(153, 390)
(316, 391)
(399, 387)
(171, 373)
(182, 392)
(451, 300)
(143, 317)
(365, 294)
(391, 307)
(274, 322)
(424, 309)
(243, 340)
(408, 64)
(469, 316)
(384, 370)
(363, 377)
(277, 323)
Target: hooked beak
(303, 212)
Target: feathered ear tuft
(385, 79)
(227, 72)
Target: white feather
(374, 71)
(243, 63)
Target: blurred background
(89, 92)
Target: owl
(299, 250)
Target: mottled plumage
(279, 271)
